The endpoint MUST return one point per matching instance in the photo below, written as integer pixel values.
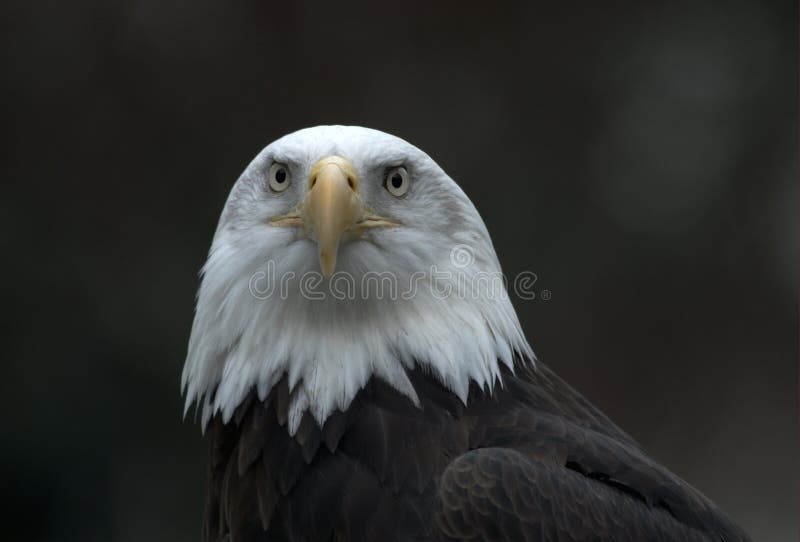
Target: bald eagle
(361, 376)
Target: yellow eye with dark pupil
(278, 177)
(396, 182)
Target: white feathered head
(345, 253)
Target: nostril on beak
(333, 168)
(351, 182)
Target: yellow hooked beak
(332, 206)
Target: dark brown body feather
(531, 461)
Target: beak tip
(327, 264)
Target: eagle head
(345, 253)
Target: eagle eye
(279, 179)
(396, 181)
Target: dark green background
(641, 160)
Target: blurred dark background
(641, 160)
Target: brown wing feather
(533, 460)
(499, 494)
